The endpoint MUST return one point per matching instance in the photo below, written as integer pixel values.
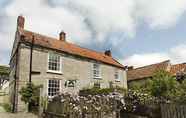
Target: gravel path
(17, 115)
(1, 109)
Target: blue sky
(138, 32)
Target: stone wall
(73, 68)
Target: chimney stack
(20, 22)
(130, 67)
(108, 53)
(62, 36)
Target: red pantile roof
(67, 47)
(178, 68)
(146, 71)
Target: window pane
(96, 70)
(53, 87)
(96, 85)
(54, 62)
(116, 75)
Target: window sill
(97, 78)
(54, 72)
(117, 81)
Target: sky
(138, 32)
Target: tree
(179, 96)
(30, 95)
(4, 75)
(162, 84)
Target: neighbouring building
(59, 66)
(4, 75)
(142, 74)
(4, 83)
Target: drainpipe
(31, 54)
(30, 73)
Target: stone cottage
(58, 65)
(141, 75)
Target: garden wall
(83, 107)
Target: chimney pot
(108, 53)
(62, 36)
(20, 22)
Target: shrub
(179, 96)
(7, 107)
(162, 84)
(99, 91)
(30, 95)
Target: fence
(173, 111)
(158, 111)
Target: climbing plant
(30, 95)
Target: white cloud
(106, 16)
(138, 60)
(176, 55)
(40, 17)
(84, 20)
(161, 13)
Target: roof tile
(67, 47)
(178, 68)
(146, 71)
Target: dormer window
(96, 71)
(54, 63)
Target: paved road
(17, 115)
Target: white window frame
(99, 69)
(60, 88)
(60, 66)
(118, 75)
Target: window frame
(97, 85)
(117, 72)
(99, 69)
(60, 66)
(48, 87)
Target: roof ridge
(184, 63)
(65, 42)
(166, 61)
(73, 48)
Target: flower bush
(90, 104)
(101, 91)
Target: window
(54, 62)
(116, 75)
(111, 84)
(70, 83)
(53, 87)
(96, 71)
(97, 85)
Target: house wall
(14, 74)
(73, 68)
(138, 83)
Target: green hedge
(7, 107)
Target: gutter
(28, 43)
